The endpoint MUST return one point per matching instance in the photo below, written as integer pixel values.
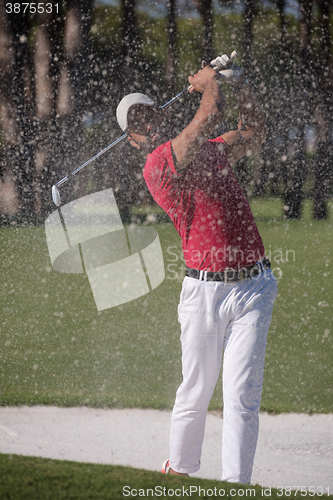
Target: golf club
(219, 63)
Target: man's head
(146, 124)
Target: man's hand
(234, 75)
(201, 79)
(228, 71)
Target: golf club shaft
(166, 105)
(91, 159)
(178, 96)
(55, 191)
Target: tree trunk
(284, 67)
(294, 192)
(9, 126)
(129, 33)
(247, 41)
(74, 94)
(47, 77)
(205, 8)
(172, 50)
(323, 117)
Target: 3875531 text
(31, 8)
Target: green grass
(30, 478)
(56, 348)
(298, 372)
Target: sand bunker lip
(294, 450)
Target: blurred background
(64, 66)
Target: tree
(47, 79)
(247, 40)
(300, 117)
(172, 46)
(16, 108)
(205, 8)
(323, 116)
(40, 95)
(275, 150)
(284, 69)
(128, 35)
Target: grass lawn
(56, 348)
(29, 478)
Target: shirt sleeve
(218, 139)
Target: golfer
(228, 292)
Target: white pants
(217, 318)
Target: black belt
(230, 275)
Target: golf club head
(56, 195)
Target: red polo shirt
(207, 206)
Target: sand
(294, 450)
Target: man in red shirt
(228, 292)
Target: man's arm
(251, 132)
(187, 144)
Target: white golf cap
(125, 104)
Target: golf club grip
(232, 56)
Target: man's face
(148, 126)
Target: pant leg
(202, 346)
(243, 369)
